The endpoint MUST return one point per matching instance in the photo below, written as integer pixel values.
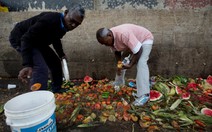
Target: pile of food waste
(175, 103)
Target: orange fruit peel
(35, 87)
(119, 65)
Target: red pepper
(200, 123)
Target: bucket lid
(28, 101)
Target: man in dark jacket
(32, 39)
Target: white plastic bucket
(31, 112)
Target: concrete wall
(182, 31)
(35, 5)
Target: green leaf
(162, 87)
(1, 108)
(75, 113)
(206, 119)
(88, 125)
(163, 113)
(175, 104)
(185, 119)
(179, 80)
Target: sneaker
(141, 100)
(132, 84)
(134, 95)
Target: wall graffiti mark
(25, 5)
(112, 4)
(187, 3)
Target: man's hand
(127, 66)
(121, 66)
(25, 74)
(64, 57)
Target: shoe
(61, 90)
(134, 95)
(141, 100)
(132, 84)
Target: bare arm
(118, 56)
(134, 59)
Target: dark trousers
(44, 59)
(54, 64)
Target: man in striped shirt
(138, 40)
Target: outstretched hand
(25, 74)
(126, 66)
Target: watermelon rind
(88, 79)
(206, 111)
(162, 87)
(186, 96)
(155, 98)
(178, 90)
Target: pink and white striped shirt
(130, 37)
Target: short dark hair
(102, 33)
(80, 9)
(99, 33)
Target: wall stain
(40, 5)
(37, 5)
(112, 4)
(193, 4)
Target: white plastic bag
(65, 70)
(120, 79)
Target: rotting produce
(175, 103)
